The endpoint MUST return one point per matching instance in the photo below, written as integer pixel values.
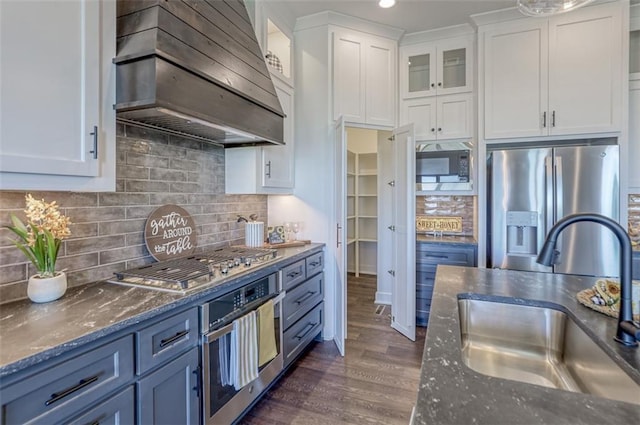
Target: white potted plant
(40, 240)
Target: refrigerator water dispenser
(522, 230)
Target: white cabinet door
(422, 114)
(584, 71)
(440, 117)
(454, 66)
(418, 70)
(455, 117)
(57, 85)
(349, 84)
(364, 78)
(437, 68)
(50, 88)
(277, 161)
(403, 298)
(265, 169)
(380, 77)
(515, 79)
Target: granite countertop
(31, 333)
(451, 393)
(452, 239)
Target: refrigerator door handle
(549, 219)
(559, 197)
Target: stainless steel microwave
(443, 166)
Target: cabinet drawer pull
(292, 274)
(435, 256)
(59, 396)
(305, 297)
(177, 336)
(95, 423)
(307, 329)
(314, 263)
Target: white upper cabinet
(56, 95)
(436, 68)
(278, 160)
(268, 169)
(364, 77)
(265, 169)
(556, 76)
(439, 118)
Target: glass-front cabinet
(436, 68)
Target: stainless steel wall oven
(222, 402)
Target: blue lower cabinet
(66, 388)
(171, 394)
(117, 410)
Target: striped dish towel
(244, 350)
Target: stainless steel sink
(540, 346)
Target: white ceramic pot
(43, 290)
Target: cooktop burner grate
(182, 274)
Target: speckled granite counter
(451, 393)
(31, 333)
(452, 239)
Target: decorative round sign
(170, 232)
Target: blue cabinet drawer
(302, 298)
(293, 274)
(117, 410)
(164, 340)
(68, 387)
(314, 263)
(298, 336)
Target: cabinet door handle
(391, 272)
(433, 130)
(94, 133)
(392, 228)
(305, 297)
(198, 383)
(338, 228)
(440, 84)
(435, 256)
(64, 393)
(307, 329)
(544, 119)
(440, 129)
(433, 85)
(268, 169)
(392, 183)
(177, 336)
(553, 119)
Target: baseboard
(383, 298)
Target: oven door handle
(212, 336)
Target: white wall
(312, 201)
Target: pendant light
(549, 7)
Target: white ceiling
(410, 15)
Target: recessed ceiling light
(386, 3)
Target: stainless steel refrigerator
(530, 189)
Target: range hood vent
(195, 68)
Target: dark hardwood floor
(375, 383)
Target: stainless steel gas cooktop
(184, 274)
